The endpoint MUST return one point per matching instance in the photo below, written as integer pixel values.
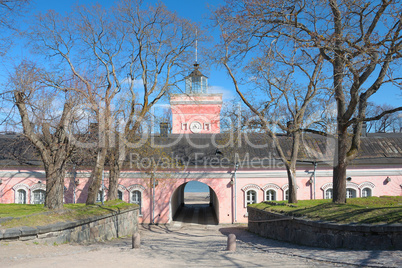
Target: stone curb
(324, 234)
(24, 231)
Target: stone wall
(324, 234)
(98, 228)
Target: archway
(195, 203)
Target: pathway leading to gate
(190, 245)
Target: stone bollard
(136, 240)
(231, 242)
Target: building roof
(205, 150)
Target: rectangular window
(183, 126)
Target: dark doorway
(196, 205)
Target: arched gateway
(194, 207)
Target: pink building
(239, 169)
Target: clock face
(195, 127)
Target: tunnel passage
(195, 207)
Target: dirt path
(187, 246)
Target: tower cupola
(196, 82)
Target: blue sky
(195, 10)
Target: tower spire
(196, 46)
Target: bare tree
(275, 97)
(159, 43)
(9, 11)
(359, 41)
(45, 124)
(126, 58)
(387, 123)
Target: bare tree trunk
(96, 177)
(291, 169)
(292, 185)
(114, 175)
(339, 173)
(54, 186)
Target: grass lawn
(371, 210)
(37, 215)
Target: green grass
(371, 210)
(37, 215)
(18, 210)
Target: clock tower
(196, 111)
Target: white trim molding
(251, 186)
(286, 187)
(352, 185)
(270, 186)
(136, 187)
(326, 186)
(366, 184)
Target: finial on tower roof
(196, 48)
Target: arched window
(350, 193)
(21, 197)
(366, 192)
(329, 193)
(20, 193)
(287, 194)
(39, 196)
(136, 198)
(251, 197)
(270, 195)
(120, 194)
(250, 193)
(366, 189)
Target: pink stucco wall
(220, 183)
(204, 109)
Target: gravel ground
(189, 245)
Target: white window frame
(141, 189)
(351, 190)
(248, 200)
(120, 193)
(271, 187)
(286, 195)
(365, 189)
(249, 187)
(275, 194)
(366, 185)
(18, 198)
(328, 190)
(139, 202)
(42, 196)
(21, 186)
(38, 186)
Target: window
(287, 194)
(183, 126)
(136, 198)
(39, 196)
(251, 197)
(98, 197)
(366, 192)
(350, 193)
(21, 196)
(270, 195)
(120, 194)
(328, 193)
